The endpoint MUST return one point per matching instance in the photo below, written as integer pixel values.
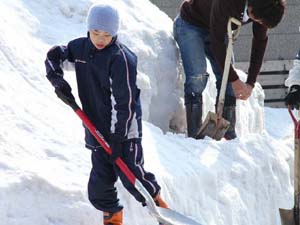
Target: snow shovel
(214, 125)
(164, 216)
(291, 216)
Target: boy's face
(100, 39)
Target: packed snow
(44, 167)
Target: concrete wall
(284, 40)
(170, 7)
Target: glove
(293, 97)
(116, 147)
(62, 89)
(117, 150)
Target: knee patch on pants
(194, 86)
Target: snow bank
(43, 165)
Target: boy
(200, 31)
(293, 82)
(106, 73)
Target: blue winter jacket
(107, 88)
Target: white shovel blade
(171, 217)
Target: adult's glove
(62, 88)
(116, 147)
(293, 97)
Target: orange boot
(113, 218)
(160, 202)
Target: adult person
(200, 31)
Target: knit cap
(103, 17)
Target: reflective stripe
(114, 118)
(141, 169)
(133, 130)
(50, 64)
(129, 89)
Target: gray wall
(170, 7)
(284, 40)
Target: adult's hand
(241, 90)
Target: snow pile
(43, 165)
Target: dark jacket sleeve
(123, 91)
(259, 43)
(220, 14)
(55, 57)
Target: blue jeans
(194, 46)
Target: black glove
(293, 97)
(116, 147)
(62, 89)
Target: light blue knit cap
(103, 17)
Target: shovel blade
(171, 217)
(287, 217)
(213, 127)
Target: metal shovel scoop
(215, 126)
(291, 216)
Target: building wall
(170, 7)
(284, 40)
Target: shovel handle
(296, 164)
(296, 123)
(292, 115)
(237, 31)
(90, 126)
(231, 37)
(291, 216)
(119, 162)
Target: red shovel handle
(120, 163)
(296, 123)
